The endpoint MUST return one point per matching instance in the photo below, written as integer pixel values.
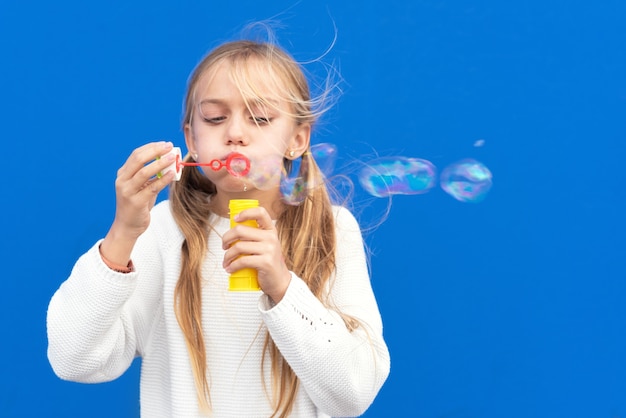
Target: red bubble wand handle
(236, 164)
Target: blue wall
(513, 307)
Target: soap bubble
(467, 180)
(397, 175)
(265, 173)
(325, 156)
(293, 185)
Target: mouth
(237, 164)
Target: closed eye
(261, 120)
(214, 120)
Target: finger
(265, 223)
(236, 260)
(241, 248)
(156, 184)
(142, 156)
(269, 249)
(242, 233)
(158, 167)
(140, 185)
(145, 174)
(259, 214)
(259, 262)
(240, 263)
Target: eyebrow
(212, 101)
(252, 102)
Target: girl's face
(222, 123)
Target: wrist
(117, 247)
(128, 268)
(278, 294)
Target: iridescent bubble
(398, 175)
(324, 155)
(265, 173)
(467, 180)
(293, 183)
(293, 190)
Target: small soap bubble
(293, 184)
(397, 175)
(293, 190)
(324, 155)
(467, 180)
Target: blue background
(512, 307)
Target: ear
(189, 142)
(299, 142)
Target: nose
(235, 134)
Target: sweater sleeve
(342, 371)
(99, 320)
(90, 337)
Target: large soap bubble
(397, 175)
(467, 180)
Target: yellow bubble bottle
(243, 280)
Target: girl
(309, 344)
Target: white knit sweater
(100, 320)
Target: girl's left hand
(258, 248)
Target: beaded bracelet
(116, 267)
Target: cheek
(200, 136)
(206, 154)
(273, 143)
(202, 132)
(206, 145)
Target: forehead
(252, 79)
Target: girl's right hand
(136, 189)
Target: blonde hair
(306, 231)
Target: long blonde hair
(306, 231)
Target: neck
(267, 200)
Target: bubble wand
(236, 164)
